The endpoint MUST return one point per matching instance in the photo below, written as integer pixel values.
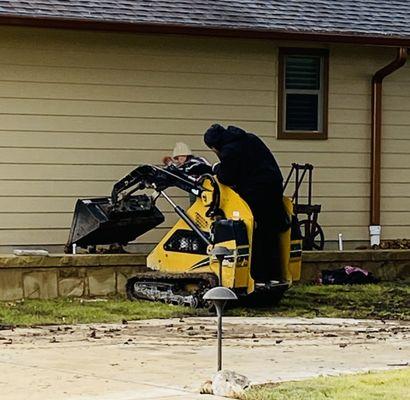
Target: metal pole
(219, 296)
(220, 271)
(219, 342)
(219, 307)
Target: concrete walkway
(169, 359)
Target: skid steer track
(180, 289)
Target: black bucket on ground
(97, 222)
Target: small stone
(93, 335)
(124, 322)
(206, 388)
(190, 328)
(279, 341)
(229, 384)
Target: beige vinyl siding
(78, 110)
(342, 162)
(395, 175)
(81, 109)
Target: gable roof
(373, 21)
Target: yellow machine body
(236, 269)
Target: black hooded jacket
(247, 165)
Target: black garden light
(219, 296)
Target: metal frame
(312, 227)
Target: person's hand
(167, 160)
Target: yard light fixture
(219, 296)
(220, 253)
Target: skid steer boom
(123, 217)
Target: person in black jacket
(248, 167)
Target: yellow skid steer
(184, 264)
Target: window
(302, 94)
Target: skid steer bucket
(97, 222)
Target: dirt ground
(169, 359)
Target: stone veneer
(45, 277)
(387, 265)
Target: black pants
(270, 219)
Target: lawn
(381, 301)
(391, 385)
(385, 301)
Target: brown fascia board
(86, 24)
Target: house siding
(81, 109)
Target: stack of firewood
(395, 244)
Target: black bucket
(97, 222)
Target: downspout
(377, 90)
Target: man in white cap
(184, 160)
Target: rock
(206, 388)
(229, 384)
(93, 334)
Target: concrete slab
(169, 359)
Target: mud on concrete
(156, 358)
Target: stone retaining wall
(387, 265)
(37, 277)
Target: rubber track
(208, 280)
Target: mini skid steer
(187, 261)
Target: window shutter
(303, 93)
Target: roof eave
(121, 26)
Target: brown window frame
(314, 135)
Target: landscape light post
(220, 253)
(219, 296)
